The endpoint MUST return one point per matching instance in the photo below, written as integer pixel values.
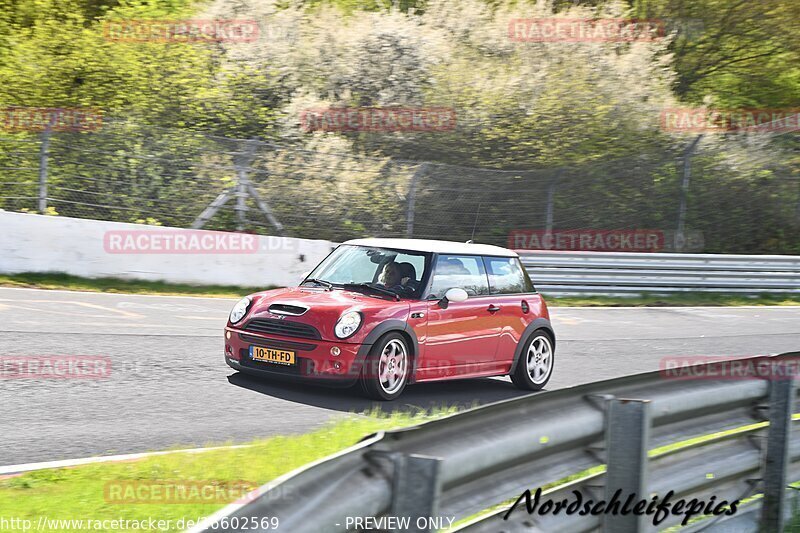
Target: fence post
(241, 161)
(212, 209)
(797, 213)
(241, 190)
(43, 157)
(680, 238)
(248, 189)
(241, 207)
(412, 198)
(627, 442)
(416, 488)
(265, 208)
(781, 405)
(551, 194)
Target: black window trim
(525, 275)
(426, 294)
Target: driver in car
(399, 277)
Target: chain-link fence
(129, 172)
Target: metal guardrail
(562, 273)
(463, 464)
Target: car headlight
(347, 324)
(240, 309)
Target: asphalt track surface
(169, 385)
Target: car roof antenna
(475, 224)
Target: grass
(688, 299)
(78, 493)
(57, 280)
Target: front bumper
(314, 359)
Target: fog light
(228, 349)
(227, 334)
(337, 365)
(335, 351)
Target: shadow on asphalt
(457, 393)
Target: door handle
(493, 308)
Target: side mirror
(453, 295)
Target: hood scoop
(287, 309)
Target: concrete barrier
(95, 248)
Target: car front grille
(279, 344)
(271, 326)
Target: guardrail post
(627, 442)
(415, 491)
(781, 404)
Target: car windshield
(374, 270)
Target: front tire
(386, 369)
(535, 365)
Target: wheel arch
(538, 324)
(381, 330)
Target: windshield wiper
(327, 284)
(375, 288)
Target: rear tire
(386, 368)
(536, 361)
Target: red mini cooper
(389, 312)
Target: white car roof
(440, 247)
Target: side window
(463, 271)
(507, 276)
